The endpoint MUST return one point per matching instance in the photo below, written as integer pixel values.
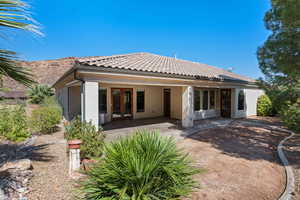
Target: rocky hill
(45, 72)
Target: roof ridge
(98, 58)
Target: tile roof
(147, 62)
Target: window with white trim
(197, 99)
(205, 100)
(212, 99)
(241, 100)
(103, 100)
(140, 101)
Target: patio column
(89, 102)
(188, 107)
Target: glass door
(116, 103)
(226, 103)
(121, 103)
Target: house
(145, 85)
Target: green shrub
(38, 93)
(291, 116)
(264, 106)
(93, 140)
(50, 101)
(45, 119)
(13, 124)
(143, 166)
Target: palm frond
(11, 68)
(15, 14)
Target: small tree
(39, 93)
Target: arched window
(241, 100)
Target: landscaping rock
(23, 164)
(14, 182)
(88, 164)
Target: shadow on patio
(159, 122)
(251, 139)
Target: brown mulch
(51, 180)
(240, 161)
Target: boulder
(23, 164)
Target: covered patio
(165, 126)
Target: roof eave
(91, 68)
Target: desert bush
(291, 116)
(93, 139)
(45, 119)
(143, 166)
(14, 123)
(264, 106)
(39, 93)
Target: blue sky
(220, 33)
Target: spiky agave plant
(39, 93)
(143, 166)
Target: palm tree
(14, 14)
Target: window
(197, 99)
(212, 99)
(205, 100)
(140, 101)
(241, 100)
(103, 100)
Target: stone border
(290, 180)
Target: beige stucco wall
(153, 88)
(70, 100)
(176, 102)
(251, 96)
(62, 98)
(153, 100)
(74, 101)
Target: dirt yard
(51, 180)
(240, 161)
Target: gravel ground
(51, 181)
(240, 162)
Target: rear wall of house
(70, 100)
(250, 103)
(153, 100)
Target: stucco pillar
(188, 107)
(89, 105)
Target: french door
(121, 103)
(167, 102)
(226, 103)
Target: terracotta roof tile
(147, 62)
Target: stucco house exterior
(145, 85)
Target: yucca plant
(39, 93)
(14, 15)
(145, 166)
